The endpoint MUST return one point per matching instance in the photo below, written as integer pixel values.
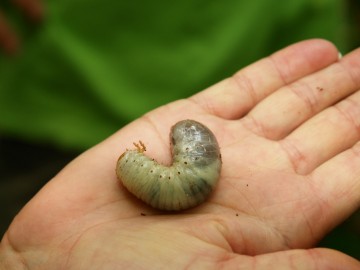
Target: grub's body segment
(187, 182)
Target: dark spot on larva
(237, 214)
(142, 165)
(134, 160)
(185, 162)
(143, 214)
(169, 177)
(196, 158)
(160, 176)
(247, 185)
(178, 172)
(187, 148)
(151, 171)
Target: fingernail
(340, 55)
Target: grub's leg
(140, 147)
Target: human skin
(288, 130)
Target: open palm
(288, 130)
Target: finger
(33, 9)
(311, 259)
(299, 101)
(235, 96)
(8, 40)
(325, 135)
(337, 185)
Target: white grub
(190, 179)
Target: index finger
(235, 96)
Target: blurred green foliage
(93, 66)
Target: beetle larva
(187, 182)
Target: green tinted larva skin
(187, 182)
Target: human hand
(288, 130)
(9, 41)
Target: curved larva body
(187, 182)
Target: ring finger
(323, 136)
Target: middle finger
(283, 111)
